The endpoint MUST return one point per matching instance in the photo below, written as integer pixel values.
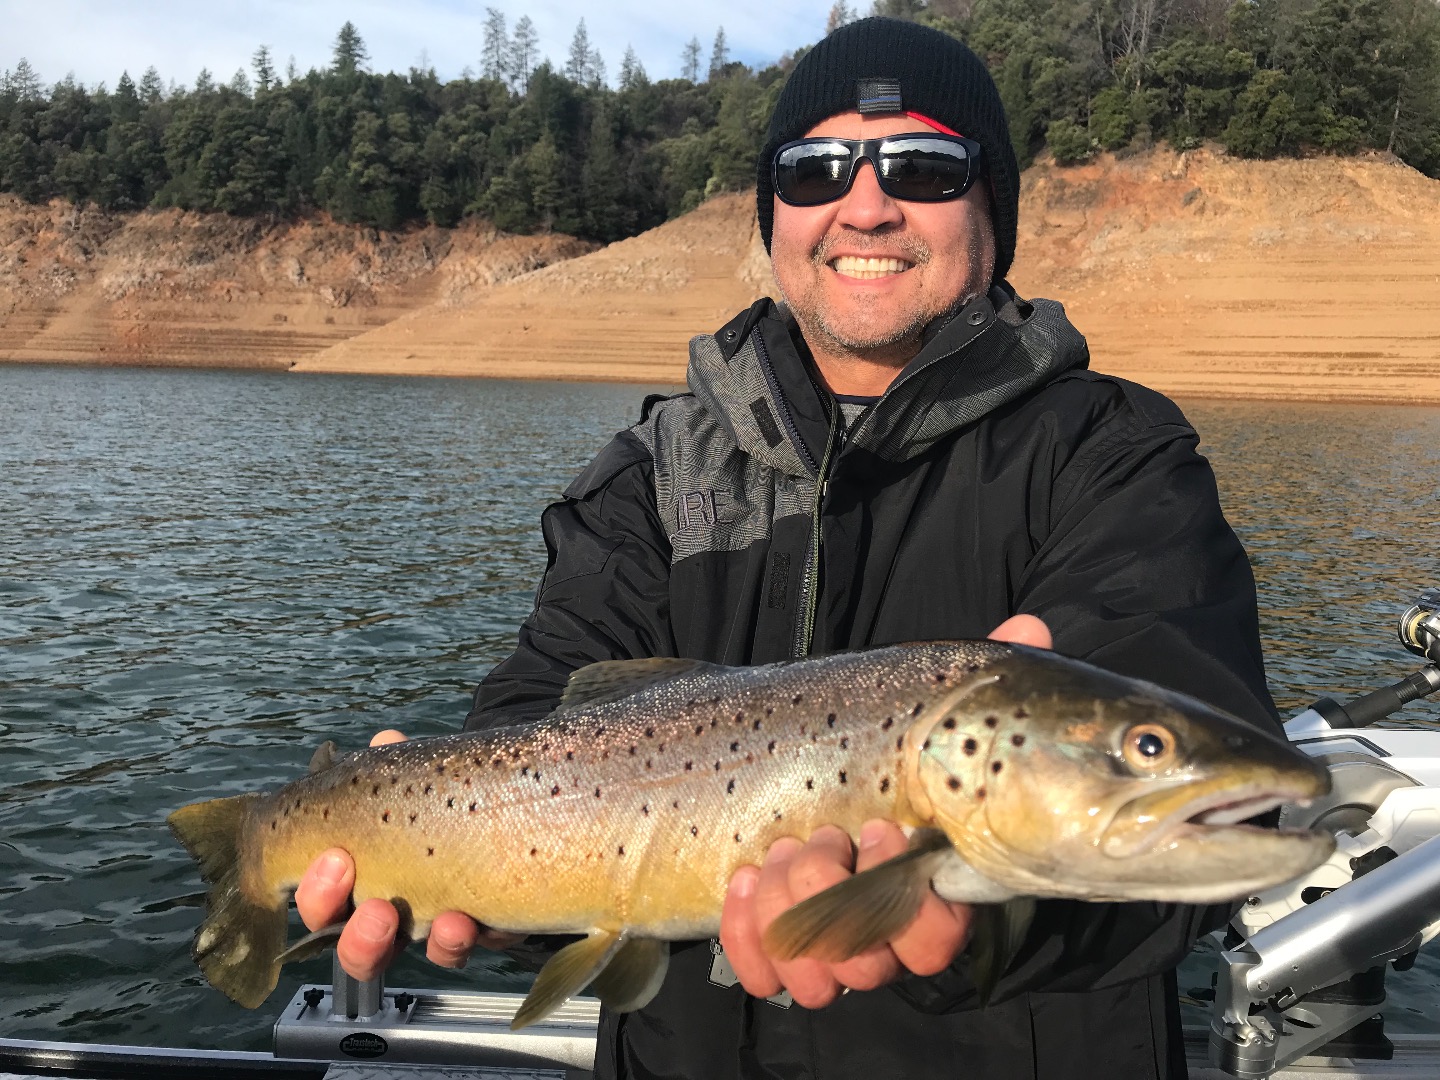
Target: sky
(96, 40)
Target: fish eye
(1148, 747)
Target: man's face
(864, 274)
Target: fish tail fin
(238, 944)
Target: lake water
(203, 575)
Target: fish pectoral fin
(567, 973)
(611, 680)
(633, 975)
(326, 754)
(312, 944)
(996, 933)
(862, 911)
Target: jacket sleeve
(604, 594)
(1138, 572)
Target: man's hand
(793, 871)
(367, 944)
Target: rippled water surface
(203, 575)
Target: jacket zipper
(811, 582)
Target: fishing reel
(1420, 626)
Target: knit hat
(905, 68)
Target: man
(904, 451)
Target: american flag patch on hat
(878, 95)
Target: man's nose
(865, 206)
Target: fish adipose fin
(862, 911)
(239, 942)
(567, 973)
(996, 934)
(633, 975)
(611, 680)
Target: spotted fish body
(623, 815)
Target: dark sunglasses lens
(812, 173)
(924, 170)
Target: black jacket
(996, 476)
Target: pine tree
(240, 82)
(495, 54)
(719, 55)
(632, 72)
(350, 54)
(204, 82)
(23, 82)
(524, 47)
(595, 70)
(690, 61)
(125, 107)
(152, 90)
(577, 67)
(264, 69)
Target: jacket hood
(750, 376)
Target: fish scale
(623, 815)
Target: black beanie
(939, 78)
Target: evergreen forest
(531, 146)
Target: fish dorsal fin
(326, 754)
(611, 680)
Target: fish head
(1056, 778)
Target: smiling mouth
(868, 269)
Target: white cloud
(95, 40)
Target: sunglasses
(916, 168)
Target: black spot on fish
(694, 831)
(888, 724)
(450, 802)
(600, 731)
(569, 755)
(597, 793)
(953, 784)
(940, 676)
(620, 850)
(632, 750)
(979, 793)
(900, 742)
(778, 815)
(649, 762)
(739, 718)
(374, 789)
(884, 784)
(713, 722)
(693, 703)
(771, 747)
(730, 788)
(1017, 740)
(525, 771)
(842, 776)
(354, 780)
(972, 667)
(645, 809)
(737, 838)
(845, 743)
(970, 746)
(797, 699)
(385, 816)
(699, 729)
(473, 805)
(429, 851)
(428, 790)
(734, 746)
(717, 766)
(274, 824)
(1021, 714)
(532, 852)
(880, 682)
(440, 769)
(949, 724)
(649, 733)
(810, 784)
(830, 720)
(918, 709)
(925, 745)
(755, 726)
(996, 766)
(498, 762)
(409, 789)
(769, 711)
(394, 780)
(992, 721)
(676, 804)
(689, 765)
(662, 749)
(286, 811)
(326, 815)
(413, 816)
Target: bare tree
(719, 54)
(690, 60)
(1141, 23)
(495, 53)
(524, 47)
(632, 72)
(840, 14)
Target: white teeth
(865, 268)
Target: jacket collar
(752, 375)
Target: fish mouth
(1162, 818)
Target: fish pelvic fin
(238, 943)
(633, 975)
(567, 973)
(996, 933)
(862, 911)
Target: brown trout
(623, 814)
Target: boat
(1297, 992)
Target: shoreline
(1295, 395)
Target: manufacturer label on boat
(362, 1044)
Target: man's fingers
(1023, 630)
(826, 859)
(740, 935)
(323, 896)
(810, 982)
(452, 936)
(929, 944)
(368, 940)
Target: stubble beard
(901, 339)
